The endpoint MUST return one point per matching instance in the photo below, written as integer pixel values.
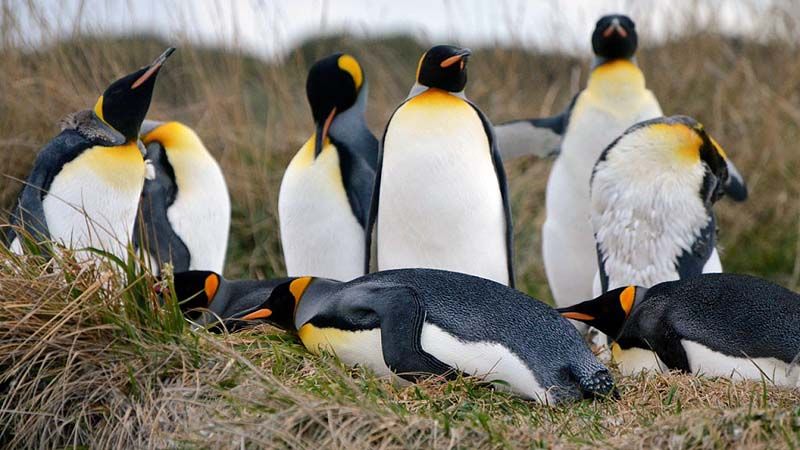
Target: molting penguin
(441, 199)
(324, 197)
(652, 194)
(716, 324)
(85, 184)
(419, 321)
(185, 210)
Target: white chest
(704, 361)
(319, 233)
(351, 347)
(93, 200)
(440, 203)
(201, 213)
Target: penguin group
(398, 249)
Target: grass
(88, 360)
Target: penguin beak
(322, 132)
(735, 186)
(262, 313)
(574, 315)
(455, 58)
(615, 26)
(153, 68)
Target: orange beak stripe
(450, 61)
(577, 316)
(258, 314)
(327, 125)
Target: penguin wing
(158, 195)
(540, 137)
(359, 179)
(691, 262)
(735, 186)
(401, 313)
(497, 160)
(29, 213)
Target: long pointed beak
(153, 68)
(455, 58)
(322, 132)
(735, 187)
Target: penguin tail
(598, 384)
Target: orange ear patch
(298, 287)
(211, 286)
(626, 299)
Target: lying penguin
(715, 324)
(408, 322)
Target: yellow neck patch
(211, 286)
(351, 66)
(98, 109)
(684, 142)
(298, 287)
(615, 76)
(718, 148)
(173, 135)
(626, 299)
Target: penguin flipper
(359, 180)
(402, 315)
(540, 136)
(158, 236)
(735, 187)
(691, 262)
(502, 181)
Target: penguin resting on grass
(441, 198)
(185, 210)
(652, 193)
(716, 324)
(84, 188)
(324, 196)
(411, 322)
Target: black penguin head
(716, 161)
(279, 307)
(608, 312)
(125, 102)
(444, 67)
(614, 37)
(195, 290)
(333, 85)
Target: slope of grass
(86, 359)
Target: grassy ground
(85, 360)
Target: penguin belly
(631, 361)
(440, 203)
(704, 361)
(362, 347)
(490, 361)
(201, 212)
(320, 235)
(568, 245)
(93, 200)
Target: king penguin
(441, 198)
(614, 99)
(652, 193)
(411, 322)
(185, 209)
(84, 188)
(325, 192)
(723, 325)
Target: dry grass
(92, 363)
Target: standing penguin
(185, 209)
(441, 199)
(85, 184)
(411, 322)
(717, 324)
(652, 194)
(324, 195)
(614, 99)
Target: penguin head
(125, 102)
(614, 37)
(444, 67)
(332, 87)
(279, 307)
(195, 290)
(607, 312)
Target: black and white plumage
(652, 193)
(441, 196)
(725, 325)
(411, 322)
(185, 209)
